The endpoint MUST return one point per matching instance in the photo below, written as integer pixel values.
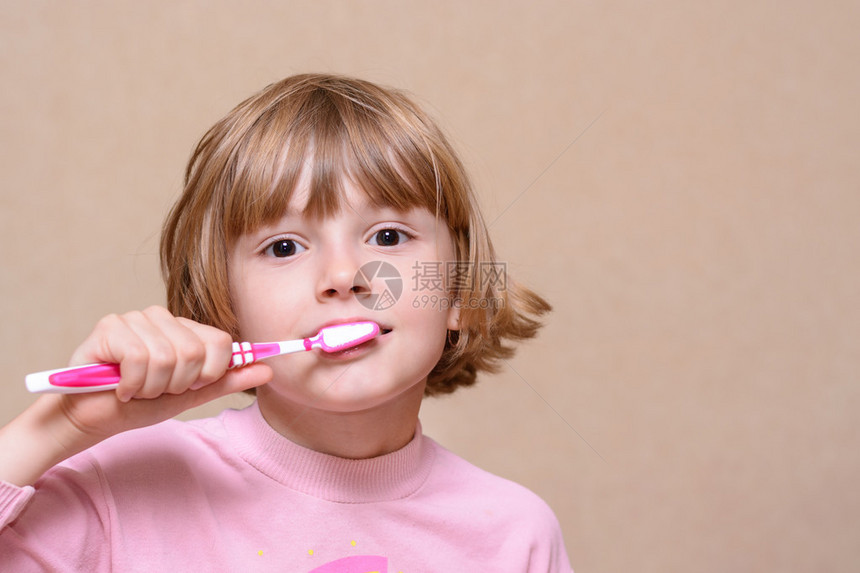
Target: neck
(361, 434)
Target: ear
(454, 317)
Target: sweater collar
(391, 476)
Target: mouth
(358, 349)
(383, 328)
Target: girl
(288, 201)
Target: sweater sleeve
(530, 522)
(61, 524)
(548, 552)
(13, 499)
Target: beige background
(680, 179)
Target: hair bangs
(319, 141)
(258, 183)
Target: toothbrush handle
(87, 378)
(75, 380)
(99, 377)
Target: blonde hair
(246, 167)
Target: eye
(283, 248)
(389, 237)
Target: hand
(168, 365)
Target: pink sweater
(231, 494)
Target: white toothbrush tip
(343, 336)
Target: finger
(218, 352)
(113, 341)
(189, 348)
(161, 352)
(237, 380)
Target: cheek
(262, 312)
(427, 313)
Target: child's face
(292, 278)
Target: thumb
(236, 380)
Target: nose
(339, 276)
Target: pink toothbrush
(98, 377)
